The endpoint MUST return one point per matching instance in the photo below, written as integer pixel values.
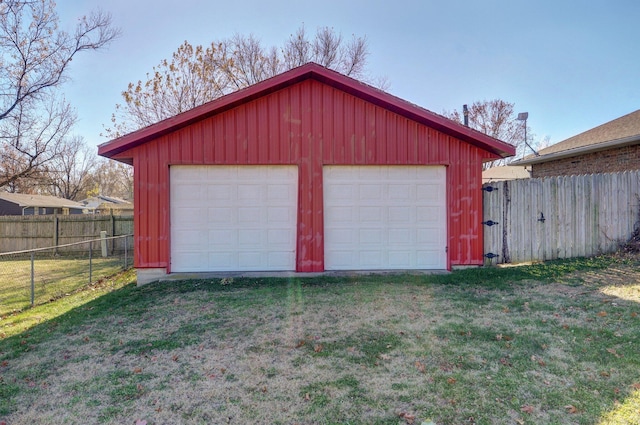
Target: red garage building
(307, 171)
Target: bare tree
(196, 75)
(327, 49)
(497, 119)
(68, 175)
(111, 178)
(35, 56)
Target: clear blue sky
(572, 65)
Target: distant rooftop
(616, 133)
(26, 200)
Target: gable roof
(620, 132)
(309, 71)
(26, 201)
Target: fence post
(90, 260)
(113, 233)
(126, 242)
(33, 285)
(56, 236)
(103, 242)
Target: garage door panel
(399, 236)
(220, 215)
(250, 237)
(242, 218)
(279, 215)
(367, 213)
(401, 192)
(192, 216)
(368, 236)
(249, 215)
(395, 215)
(190, 235)
(339, 214)
(370, 259)
(279, 192)
(401, 260)
(222, 192)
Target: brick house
(609, 148)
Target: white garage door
(385, 217)
(233, 218)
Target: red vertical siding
(309, 124)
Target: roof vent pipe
(465, 112)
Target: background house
(102, 204)
(23, 204)
(610, 147)
(505, 172)
(307, 171)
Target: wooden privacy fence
(20, 233)
(559, 217)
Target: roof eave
(113, 148)
(618, 143)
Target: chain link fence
(37, 276)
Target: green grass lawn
(555, 343)
(53, 278)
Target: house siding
(9, 208)
(625, 158)
(309, 124)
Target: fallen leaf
(264, 389)
(175, 358)
(409, 418)
(4, 364)
(602, 314)
(505, 362)
(451, 381)
(527, 408)
(317, 348)
(571, 408)
(614, 352)
(300, 343)
(137, 370)
(634, 314)
(421, 367)
(505, 310)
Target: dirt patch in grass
(366, 350)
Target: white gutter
(627, 141)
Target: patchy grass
(53, 278)
(549, 343)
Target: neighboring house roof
(620, 132)
(314, 71)
(103, 201)
(26, 201)
(504, 172)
